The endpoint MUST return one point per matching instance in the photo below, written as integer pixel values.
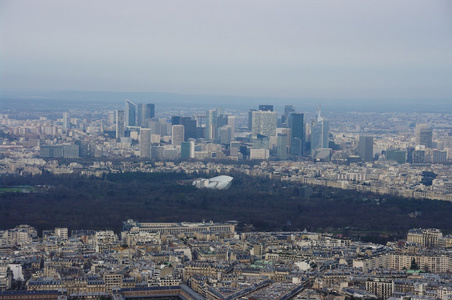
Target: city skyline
(226, 149)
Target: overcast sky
(302, 49)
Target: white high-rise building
(177, 134)
(259, 154)
(192, 149)
(264, 123)
(320, 133)
(62, 233)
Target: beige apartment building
(428, 263)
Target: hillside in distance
(98, 100)
(79, 202)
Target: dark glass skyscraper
(366, 148)
(176, 120)
(297, 129)
(266, 107)
(190, 127)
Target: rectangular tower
(264, 123)
(130, 114)
(282, 144)
(211, 124)
(144, 112)
(320, 132)
(266, 107)
(145, 143)
(177, 134)
(176, 120)
(189, 127)
(225, 137)
(297, 129)
(66, 121)
(423, 135)
(250, 119)
(366, 148)
(185, 150)
(119, 124)
(319, 135)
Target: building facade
(297, 131)
(130, 114)
(120, 124)
(145, 143)
(320, 131)
(145, 111)
(366, 148)
(177, 134)
(264, 123)
(423, 135)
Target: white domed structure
(222, 182)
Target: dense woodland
(79, 202)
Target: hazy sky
(321, 49)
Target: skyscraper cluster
(133, 115)
(289, 133)
(288, 136)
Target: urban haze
(225, 150)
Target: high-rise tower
(145, 111)
(320, 132)
(288, 109)
(366, 148)
(130, 114)
(250, 119)
(264, 123)
(189, 127)
(145, 143)
(211, 124)
(266, 107)
(119, 124)
(177, 134)
(66, 121)
(297, 129)
(282, 142)
(423, 135)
